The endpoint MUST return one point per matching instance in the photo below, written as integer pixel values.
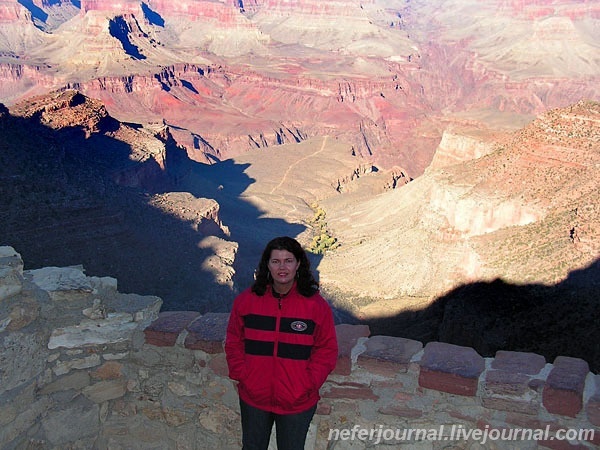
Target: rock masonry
(83, 366)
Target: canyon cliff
(386, 77)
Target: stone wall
(83, 366)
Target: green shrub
(322, 241)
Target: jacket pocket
(255, 383)
(295, 388)
(307, 388)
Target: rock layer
(423, 74)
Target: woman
(280, 346)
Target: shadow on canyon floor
(558, 320)
(60, 207)
(37, 13)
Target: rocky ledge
(84, 366)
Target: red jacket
(280, 350)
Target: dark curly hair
(305, 283)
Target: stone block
(592, 408)
(25, 311)
(115, 356)
(143, 308)
(218, 419)
(354, 391)
(563, 391)
(59, 282)
(450, 368)
(22, 422)
(76, 380)
(207, 333)
(509, 391)
(323, 409)
(165, 330)
(10, 283)
(106, 390)
(71, 423)
(387, 355)
(468, 416)
(527, 421)
(218, 365)
(401, 411)
(524, 405)
(518, 362)
(8, 413)
(63, 367)
(22, 357)
(347, 337)
(499, 382)
(554, 444)
(116, 327)
(181, 389)
(110, 370)
(11, 272)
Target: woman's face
(283, 266)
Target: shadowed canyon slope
(78, 187)
(446, 145)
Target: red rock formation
(457, 147)
(12, 11)
(314, 8)
(265, 98)
(116, 6)
(540, 9)
(390, 108)
(223, 13)
(62, 110)
(18, 79)
(71, 109)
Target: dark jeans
(290, 429)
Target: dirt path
(297, 162)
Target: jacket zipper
(275, 350)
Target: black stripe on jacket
(294, 351)
(286, 325)
(284, 350)
(258, 322)
(260, 348)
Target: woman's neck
(281, 290)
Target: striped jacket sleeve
(234, 344)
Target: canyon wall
(85, 366)
(456, 147)
(386, 78)
(11, 11)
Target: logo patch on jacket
(298, 325)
